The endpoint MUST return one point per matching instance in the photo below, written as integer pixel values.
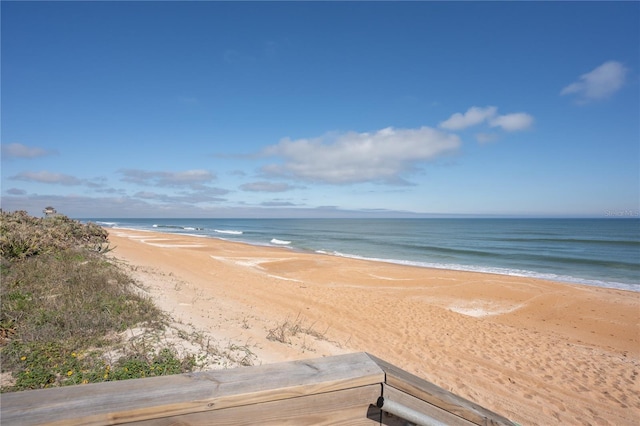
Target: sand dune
(534, 351)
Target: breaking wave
(280, 242)
(227, 231)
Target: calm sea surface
(599, 252)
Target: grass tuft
(284, 331)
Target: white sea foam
(227, 231)
(490, 270)
(106, 223)
(187, 228)
(280, 242)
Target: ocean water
(598, 252)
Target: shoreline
(536, 351)
(520, 273)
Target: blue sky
(314, 109)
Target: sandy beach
(535, 351)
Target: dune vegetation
(64, 307)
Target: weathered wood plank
(143, 399)
(421, 406)
(435, 395)
(269, 392)
(343, 407)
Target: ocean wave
(227, 231)
(112, 224)
(601, 253)
(492, 270)
(280, 242)
(186, 228)
(587, 241)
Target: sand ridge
(535, 351)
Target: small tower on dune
(49, 211)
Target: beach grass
(285, 330)
(64, 306)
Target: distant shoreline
(196, 228)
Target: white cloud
(191, 185)
(182, 198)
(149, 195)
(18, 150)
(188, 176)
(266, 187)
(125, 206)
(477, 115)
(486, 137)
(359, 157)
(473, 116)
(48, 177)
(277, 203)
(512, 122)
(16, 191)
(598, 84)
(191, 178)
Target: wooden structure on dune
(354, 389)
(49, 212)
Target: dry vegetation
(70, 316)
(284, 331)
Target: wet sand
(535, 351)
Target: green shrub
(62, 304)
(23, 236)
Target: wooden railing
(344, 389)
